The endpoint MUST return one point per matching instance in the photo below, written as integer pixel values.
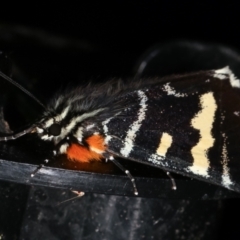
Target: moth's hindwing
(188, 124)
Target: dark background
(96, 40)
(61, 45)
(56, 46)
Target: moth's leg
(111, 158)
(36, 170)
(39, 167)
(174, 186)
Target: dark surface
(112, 184)
(96, 216)
(52, 48)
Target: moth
(187, 124)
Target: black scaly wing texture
(172, 112)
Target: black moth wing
(186, 124)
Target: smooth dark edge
(111, 184)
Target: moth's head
(58, 121)
(55, 125)
(74, 114)
(65, 115)
(68, 123)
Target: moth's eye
(54, 129)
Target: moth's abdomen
(93, 152)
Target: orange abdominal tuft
(96, 142)
(83, 154)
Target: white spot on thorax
(79, 134)
(88, 127)
(165, 143)
(226, 73)
(203, 121)
(61, 116)
(133, 129)
(57, 118)
(63, 148)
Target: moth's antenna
(21, 88)
(30, 129)
(18, 135)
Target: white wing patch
(203, 121)
(133, 129)
(159, 157)
(225, 73)
(165, 143)
(171, 91)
